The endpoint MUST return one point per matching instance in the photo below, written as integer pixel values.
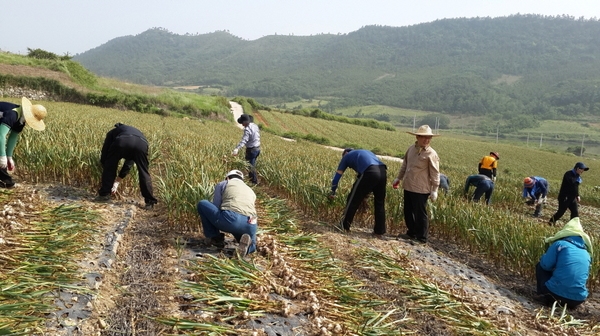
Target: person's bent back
(563, 270)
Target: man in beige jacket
(420, 173)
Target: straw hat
(424, 130)
(34, 114)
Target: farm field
(306, 276)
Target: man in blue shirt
(371, 178)
(536, 188)
(482, 184)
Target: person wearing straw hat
(536, 188)
(232, 210)
(129, 143)
(488, 165)
(568, 196)
(563, 271)
(420, 173)
(251, 140)
(13, 119)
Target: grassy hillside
(66, 80)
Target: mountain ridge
(450, 65)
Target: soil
(140, 280)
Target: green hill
(546, 67)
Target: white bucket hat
(424, 130)
(34, 114)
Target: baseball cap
(580, 165)
(235, 172)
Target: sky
(75, 26)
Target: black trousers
(542, 276)
(373, 180)
(563, 205)
(129, 148)
(415, 214)
(6, 180)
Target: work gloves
(433, 196)
(114, 188)
(235, 152)
(7, 163)
(396, 183)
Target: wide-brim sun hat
(496, 155)
(34, 114)
(424, 130)
(235, 172)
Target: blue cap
(580, 165)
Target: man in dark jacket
(568, 196)
(371, 178)
(125, 142)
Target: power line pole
(497, 127)
(541, 136)
(581, 153)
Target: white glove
(433, 196)
(396, 183)
(544, 200)
(235, 152)
(10, 164)
(3, 162)
(494, 179)
(114, 188)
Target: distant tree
(577, 150)
(41, 54)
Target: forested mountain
(542, 66)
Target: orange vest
(489, 162)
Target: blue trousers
(251, 156)
(486, 187)
(215, 221)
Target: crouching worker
(231, 211)
(563, 270)
(482, 184)
(536, 188)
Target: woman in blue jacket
(536, 188)
(563, 270)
